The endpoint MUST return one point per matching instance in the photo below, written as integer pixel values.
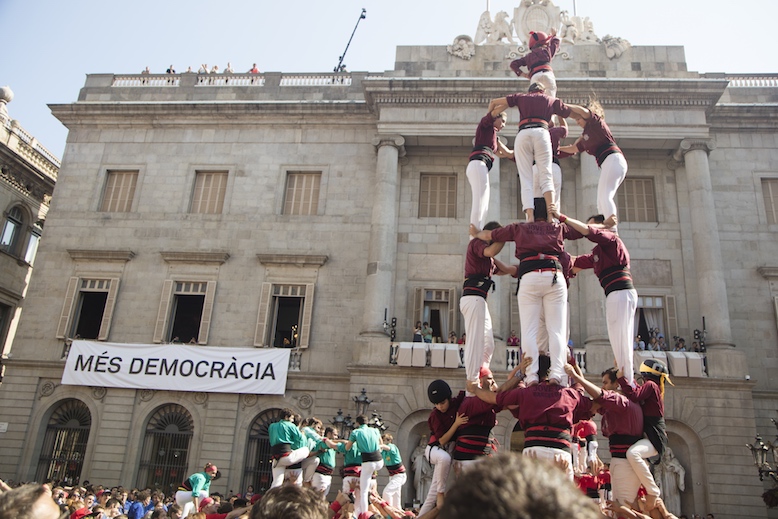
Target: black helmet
(438, 391)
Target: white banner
(177, 367)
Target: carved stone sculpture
(422, 470)
(485, 28)
(670, 475)
(502, 29)
(462, 47)
(615, 47)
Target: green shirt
(392, 456)
(352, 457)
(285, 431)
(367, 438)
(201, 482)
(326, 455)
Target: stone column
(724, 361)
(599, 354)
(379, 284)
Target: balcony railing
(229, 80)
(147, 80)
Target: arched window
(12, 230)
(165, 453)
(257, 466)
(64, 445)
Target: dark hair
(361, 419)
(598, 218)
(541, 212)
(491, 226)
(291, 502)
(286, 413)
(544, 366)
(611, 372)
(510, 485)
(19, 503)
(328, 430)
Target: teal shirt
(201, 482)
(366, 438)
(392, 456)
(326, 455)
(352, 457)
(285, 431)
(311, 434)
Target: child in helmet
(542, 49)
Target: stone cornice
(100, 255)
(627, 92)
(195, 257)
(768, 272)
(297, 260)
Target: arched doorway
(165, 452)
(64, 444)
(257, 466)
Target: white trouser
(185, 500)
(309, 468)
(279, 465)
(479, 341)
(636, 456)
(612, 173)
(538, 293)
(561, 458)
(624, 482)
(393, 490)
(348, 481)
(533, 144)
(556, 176)
(321, 483)
(365, 477)
(478, 176)
(547, 79)
(441, 460)
(543, 336)
(620, 306)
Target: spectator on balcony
(652, 345)
(170, 70)
(452, 337)
(417, 336)
(254, 69)
(661, 344)
(189, 70)
(426, 332)
(680, 345)
(146, 71)
(203, 69)
(513, 341)
(228, 69)
(462, 339)
(696, 347)
(215, 69)
(639, 345)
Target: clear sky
(50, 45)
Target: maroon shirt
(476, 264)
(620, 415)
(536, 237)
(596, 135)
(557, 134)
(648, 396)
(538, 105)
(609, 252)
(439, 423)
(486, 133)
(479, 412)
(545, 404)
(539, 55)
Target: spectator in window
(660, 342)
(426, 332)
(681, 344)
(695, 347)
(417, 336)
(462, 339)
(639, 344)
(452, 337)
(652, 345)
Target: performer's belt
(371, 456)
(533, 122)
(620, 443)
(540, 66)
(547, 436)
(477, 286)
(352, 471)
(603, 151)
(485, 154)
(324, 470)
(186, 486)
(539, 262)
(396, 469)
(473, 442)
(616, 278)
(280, 450)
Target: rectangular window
(656, 315)
(88, 308)
(210, 188)
(636, 200)
(302, 193)
(438, 196)
(285, 313)
(185, 312)
(119, 191)
(770, 192)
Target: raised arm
(498, 105)
(575, 372)
(575, 224)
(503, 151)
(504, 269)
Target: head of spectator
(208, 505)
(511, 485)
(158, 513)
(225, 508)
(31, 501)
(175, 511)
(240, 502)
(113, 507)
(290, 502)
(144, 497)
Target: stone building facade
(28, 172)
(208, 209)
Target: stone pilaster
(724, 361)
(496, 300)
(382, 252)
